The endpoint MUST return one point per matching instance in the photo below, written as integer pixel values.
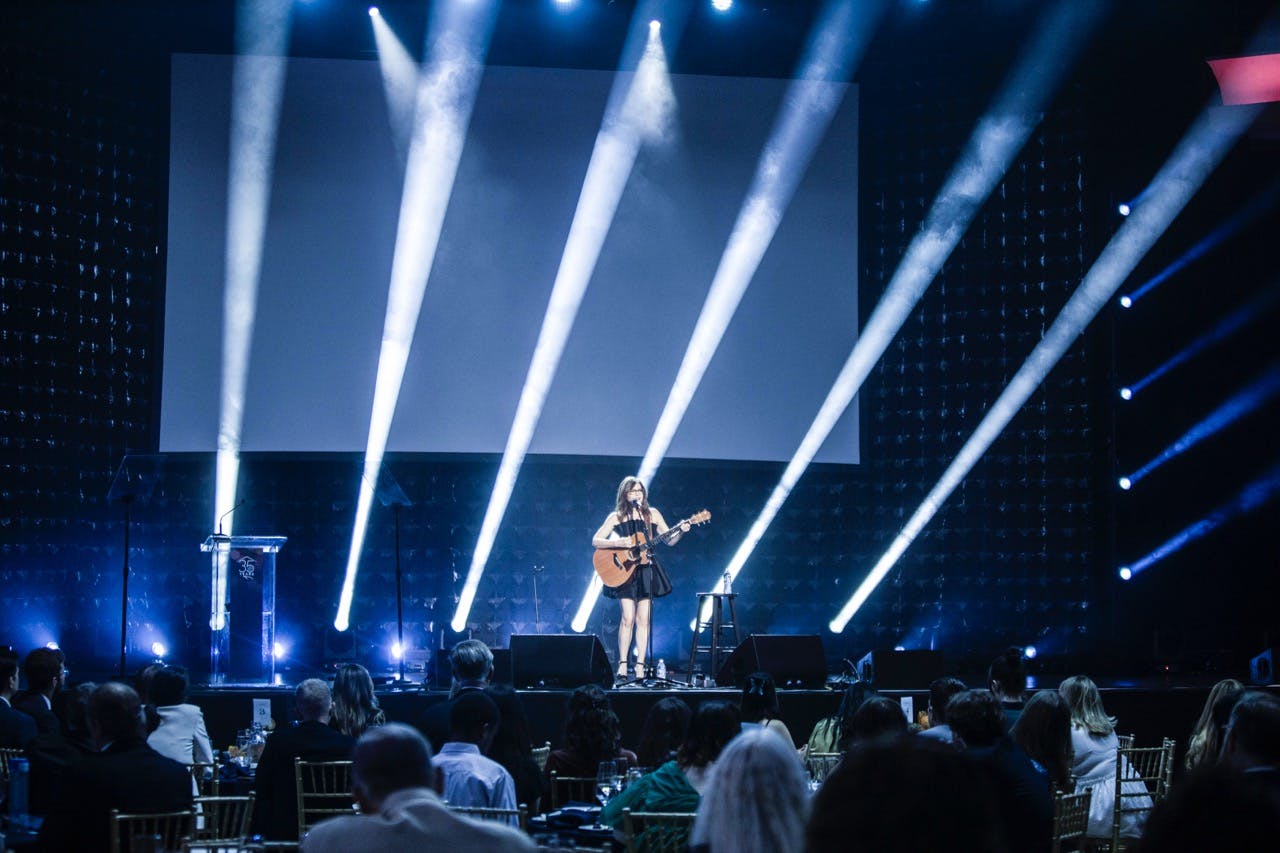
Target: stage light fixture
(835, 44)
(458, 36)
(397, 651)
(1123, 208)
(640, 110)
(1126, 393)
(278, 650)
(1125, 483)
(1126, 301)
(722, 5)
(1197, 154)
(373, 12)
(1125, 573)
(654, 26)
(996, 140)
(158, 649)
(51, 645)
(1030, 652)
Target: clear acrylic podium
(242, 621)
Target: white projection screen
(330, 233)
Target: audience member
(760, 707)
(275, 811)
(16, 728)
(45, 676)
(512, 747)
(977, 720)
(940, 693)
(125, 774)
(79, 737)
(905, 796)
(677, 785)
(142, 683)
(1206, 737)
(181, 734)
(1252, 742)
(355, 708)
(756, 800)
(664, 729)
(1094, 747)
(1044, 733)
(398, 790)
(1215, 807)
(831, 734)
(879, 717)
(471, 664)
(591, 735)
(1007, 678)
(470, 779)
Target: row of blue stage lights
(721, 6)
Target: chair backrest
(1143, 777)
(324, 791)
(656, 832)
(206, 775)
(540, 755)
(172, 828)
(821, 764)
(1125, 741)
(223, 818)
(571, 789)
(7, 753)
(1070, 817)
(517, 817)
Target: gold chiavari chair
(324, 791)
(657, 832)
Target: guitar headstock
(700, 517)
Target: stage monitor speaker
(558, 660)
(794, 661)
(913, 669)
(1262, 669)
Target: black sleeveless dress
(647, 581)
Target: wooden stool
(717, 624)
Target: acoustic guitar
(615, 565)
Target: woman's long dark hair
(760, 698)
(665, 728)
(714, 725)
(592, 729)
(1043, 730)
(1008, 674)
(622, 506)
(854, 695)
(355, 708)
(512, 746)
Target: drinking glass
(606, 785)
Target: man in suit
(16, 728)
(398, 792)
(275, 811)
(45, 675)
(125, 774)
(471, 663)
(471, 779)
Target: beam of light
(641, 109)
(1256, 494)
(1257, 307)
(399, 81)
(257, 86)
(836, 43)
(458, 36)
(1248, 400)
(996, 140)
(1257, 206)
(1197, 154)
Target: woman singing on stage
(631, 523)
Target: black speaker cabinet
(912, 669)
(1262, 669)
(558, 660)
(794, 661)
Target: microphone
(220, 536)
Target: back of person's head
(42, 668)
(976, 717)
(355, 706)
(8, 669)
(1007, 675)
(142, 682)
(1214, 807)
(1206, 737)
(115, 712)
(759, 698)
(1044, 732)
(854, 695)
(591, 728)
(1085, 703)
(757, 799)
(1253, 732)
(665, 728)
(940, 692)
(169, 686)
(471, 660)
(77, 709)
(512, 739)
(714, 724)
(903, 796)
(312, 701)
(878, 717)
(473, 716)
(390, 758)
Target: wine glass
(605, 784)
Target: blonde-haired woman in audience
(1206, 737)
(757, 799)
(1095, 751)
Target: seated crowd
(979, 772)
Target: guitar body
(615, 566)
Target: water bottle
(662, 668)
(728, 582)
(19, 785)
